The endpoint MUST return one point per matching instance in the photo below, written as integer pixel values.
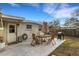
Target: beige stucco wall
(23, 29)
(3, 32)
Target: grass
(69, 48)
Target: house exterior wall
(6, 35)
(3, 32)
(21, 28)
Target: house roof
(20, 18)
(12, 17)
(30, 21)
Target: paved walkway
(25, 49)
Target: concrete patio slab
(25, 49)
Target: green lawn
(69, 48)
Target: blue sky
(40, 11)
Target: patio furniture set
(39, 39)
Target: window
(29, 26)
(11, 29)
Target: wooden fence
(71, 32)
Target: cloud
(14, 4)
(59, 10)
(49, 8)
(65, 13)
(64, 5)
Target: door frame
(9, 33)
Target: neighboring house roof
(73, 25)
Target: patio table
(43, 38)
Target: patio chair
(52, 39)
(40, 37)
(35, 40)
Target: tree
(54, 24)
(71, 22)
(73, 19)
(76, 12)
(67, 21)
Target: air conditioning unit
(19, 39)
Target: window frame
(12, 30)
(28, 26)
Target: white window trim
(27, 28)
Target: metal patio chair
(51, 39)
(35, 40)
